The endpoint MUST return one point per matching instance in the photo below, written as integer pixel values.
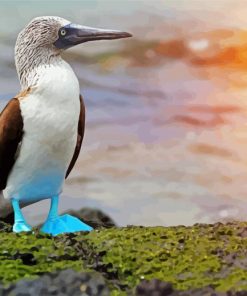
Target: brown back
(11, 132)
(80, 135)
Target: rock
(154, 288)
(94, 217)
(8, 219)
(205, 291)
(63, 283)
(5, 227)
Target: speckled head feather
(34, 47)
(41, 42)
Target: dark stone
(93, 217)
(210, 291)
(240, 293)
(205, 291)
(63, 283)
(8, 219)
(5, 227)
(158, 288)
(154, 288)
(27, 258)
(242, 232)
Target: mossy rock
(187, 257)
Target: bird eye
(63, 32)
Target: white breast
(50, 116)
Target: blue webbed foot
(21, 227)
(63, 224)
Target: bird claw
(21, 227)
(64, 224)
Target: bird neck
(28, 65)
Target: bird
(42, 127)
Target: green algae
(30, 255)
(188, 257)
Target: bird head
(61, 34)
(47, 36)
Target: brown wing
(11, 131)
(80, 135)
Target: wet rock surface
(5, 227)
(156, 287)
(93, 217)
(66, 282)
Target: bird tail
(6, 210)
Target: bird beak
(72, 34)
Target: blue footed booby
(42, 128)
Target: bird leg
(20, 223)
(56, 224)
(53, 213)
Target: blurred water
(166, 121)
